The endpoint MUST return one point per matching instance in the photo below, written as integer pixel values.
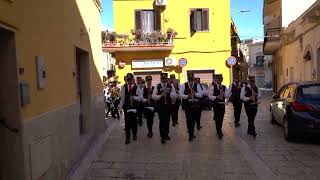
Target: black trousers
(115, 110)
(140, 112)
(237, 106)
(192, 113)
(198, 118)
(164, 117)
(251, 111)
(175, 111)
(149, 115)
(131, 124)
(219, 111)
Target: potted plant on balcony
(138, 35)
(171, 34)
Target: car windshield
(311, 92)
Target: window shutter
(157, 20)
(198, 20)
(193, 23)
(205, 20)
(138, 19)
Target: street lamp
(242, 11)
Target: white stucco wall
(292, 9)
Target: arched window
(307, 56)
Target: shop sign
(147, 63)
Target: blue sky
(249, 24)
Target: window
(310, 92)
(259, 61)
(148, 20)
(199, 20)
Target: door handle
(4, 124)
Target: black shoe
(127, 141)
(150, 134)
(173, 124)
(237, 124)
(134, 138)
(220, 135)
(253, 133)
(163, 141)
(200, 127)
(190, 138)
(168, 138)
(177, 123)
(193, 136)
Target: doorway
(11, 150)
(83, 89)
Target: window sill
(200, 32)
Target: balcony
(155, 41)
(98, 4)
(272, 40)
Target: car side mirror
(276, 96)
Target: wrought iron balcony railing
(273, 34)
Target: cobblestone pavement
(237, 156)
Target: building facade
(153, 35)
(260, 65)
(51, 100)
(294, 43)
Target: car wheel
(272, 119)
(287, 132)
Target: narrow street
(236, 156)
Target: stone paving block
(207, 157)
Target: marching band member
(176, 102)
(234, 92)
(163, 95)
(149, 104)
(250, 94)
(129, 104)
(217, 95)
(190, 92)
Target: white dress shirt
(198, 94)
(211, 93)
(156, 97)
(243, 93)
(204, 90)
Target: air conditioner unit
(170, 61)
(161, 2)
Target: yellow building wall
(53, 29)
(203, 50)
